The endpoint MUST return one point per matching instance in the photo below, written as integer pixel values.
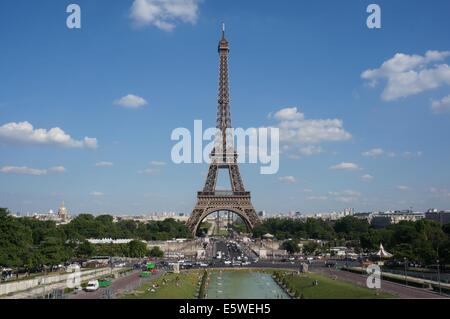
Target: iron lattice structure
(223, 156)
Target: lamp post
(439, 276)
(406, 278)
(273, 253)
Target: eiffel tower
(223, 157)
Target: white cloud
(25, 133)
(104, 164)
(57, 169)
(403, 188)
(295, 129)
(411, 155)
(157, 163)
(346, 196)
(317, 198)
(440, 192)
(441, 106)
(155, 168)
(367, 177)
(288, 114)
(149, 171)
(131, 101)
(97, 194)
(164, 14)
(24, 170)
(288, 179)
(310, 150)
(408, 75)
(374, 152)
(377, 152)
(345, 166)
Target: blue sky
(386, 145)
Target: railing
(224, 193)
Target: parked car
(92, 285)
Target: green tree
(16, 241)
(156, 252)
(85, 250)
(310, 248)
(291, 246)
(137, 249)
(351, 228)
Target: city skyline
(86, 115)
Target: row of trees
(423, 241)
(134, 249)
(30, 243)
(87, 226)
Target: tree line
(30, 243)
(424, 241)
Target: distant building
(382, 220)
(442, 217)
(365, 216)
(105, 241)
(63, 215)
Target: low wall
(24, 285)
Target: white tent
(383, 253)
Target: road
(118, 286)
(402, 291)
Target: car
(92, 285)
(203, 265)
(227, 262)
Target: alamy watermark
(244, 146)
(374, 279)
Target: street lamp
(439, 277)
(406, 278)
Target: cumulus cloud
(288, 179)
(367, 178)
(403, 188)
(345, 167)
(441, 106)
(131, 101)
(164, 14)
(104, 164)
(408, 75)
(295, 129)
(24, 170)
(288, 114)
(25, 133)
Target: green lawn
(329, 288)
(185, 287)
